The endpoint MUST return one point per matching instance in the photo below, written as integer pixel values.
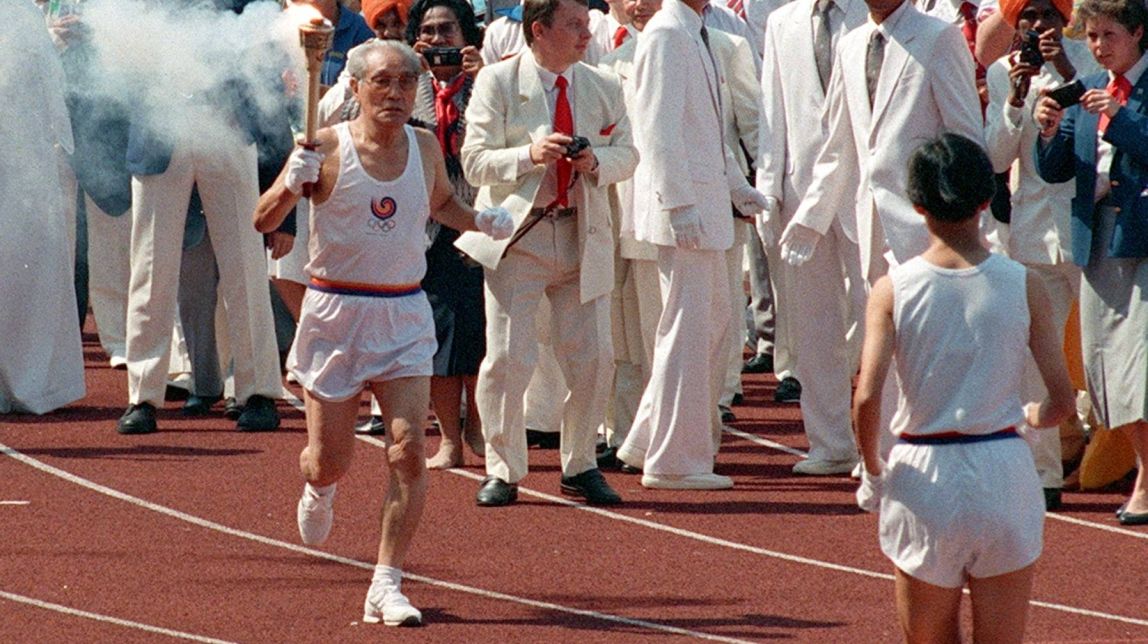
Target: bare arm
(445, 206)
(994, 38)
(277, 201)
(1044, 340)
(876, 356)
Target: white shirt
(548, 189)
(503, 39)
(1039, 230)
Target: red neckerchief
(446, 113)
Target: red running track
(190, 533)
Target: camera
(443, 56)
(1030, 49)
(1067, 95)
(575, 147)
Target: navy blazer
(1072, 154)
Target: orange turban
(1010, 9)
(374, 9)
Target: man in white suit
(683, 186)
(812, 301)
(900, 79)
(521, 118)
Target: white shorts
(961, 510)
(344, 342)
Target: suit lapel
(857, 93)
(532, 97)
(802, 20)
(584, 104)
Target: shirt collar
(1135, 72)
(548, 77)
(889, 24)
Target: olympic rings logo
(381, 226)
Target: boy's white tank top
(371, 231)
(961, 346)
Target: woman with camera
(1102, 142)
(445, 33)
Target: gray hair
(357, 57)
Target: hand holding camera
(556, 146)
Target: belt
(366, 290)
(951, 438)
(553, 212)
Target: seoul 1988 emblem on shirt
(382, 211)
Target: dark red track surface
(239, 574)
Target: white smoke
(160, 57)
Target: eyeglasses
(442, 30)
(405, 82)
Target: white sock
(326, 490)
(386, 577)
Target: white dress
(41, 358)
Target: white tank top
(371, 232)
(961, 346)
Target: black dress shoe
(259, 415)
(727, 415)
(542, 440)
(1120, 510)
(1052, 499)
(199, 405)
(231, 408)
(608, 459)
(760, 363)
(138, 419)
(496, 493)
(737, 400)
(1130, 518)
(592, 486)
(374, 427)
(629, 469)
(788, 390)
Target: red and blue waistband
(953, 438)
(365, 290)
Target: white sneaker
(392, 609)
(822, 467)
(315, 515)
(687, 482)
(857, 471)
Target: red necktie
(620, 36)
(738, 7)
(1120, 89)
(446, 112)
(564, 123)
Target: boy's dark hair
(539, 11)
(463, 12)
(1129, 13)
(950, 178)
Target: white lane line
(108, 619)
(1098, 526)
(764, 442)
(243, 534)
(15, 502)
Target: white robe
(41, 357)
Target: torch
(315, 38)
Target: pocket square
(608, 130)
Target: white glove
(686, 225)
(798, 242)
(871, 491)
(767, 220)
(302, 167)
(748, 200)
(496, 222)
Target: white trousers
(226, 178)
(677, 426)
(109, 273)
(819, 310)
(735, 280)
(636, 305)
(543, 263)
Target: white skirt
(344, 342)
(961, 510)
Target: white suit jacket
(926, 88)
(507, 112)
(792, 129)
(740, 95)
(679, 132)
